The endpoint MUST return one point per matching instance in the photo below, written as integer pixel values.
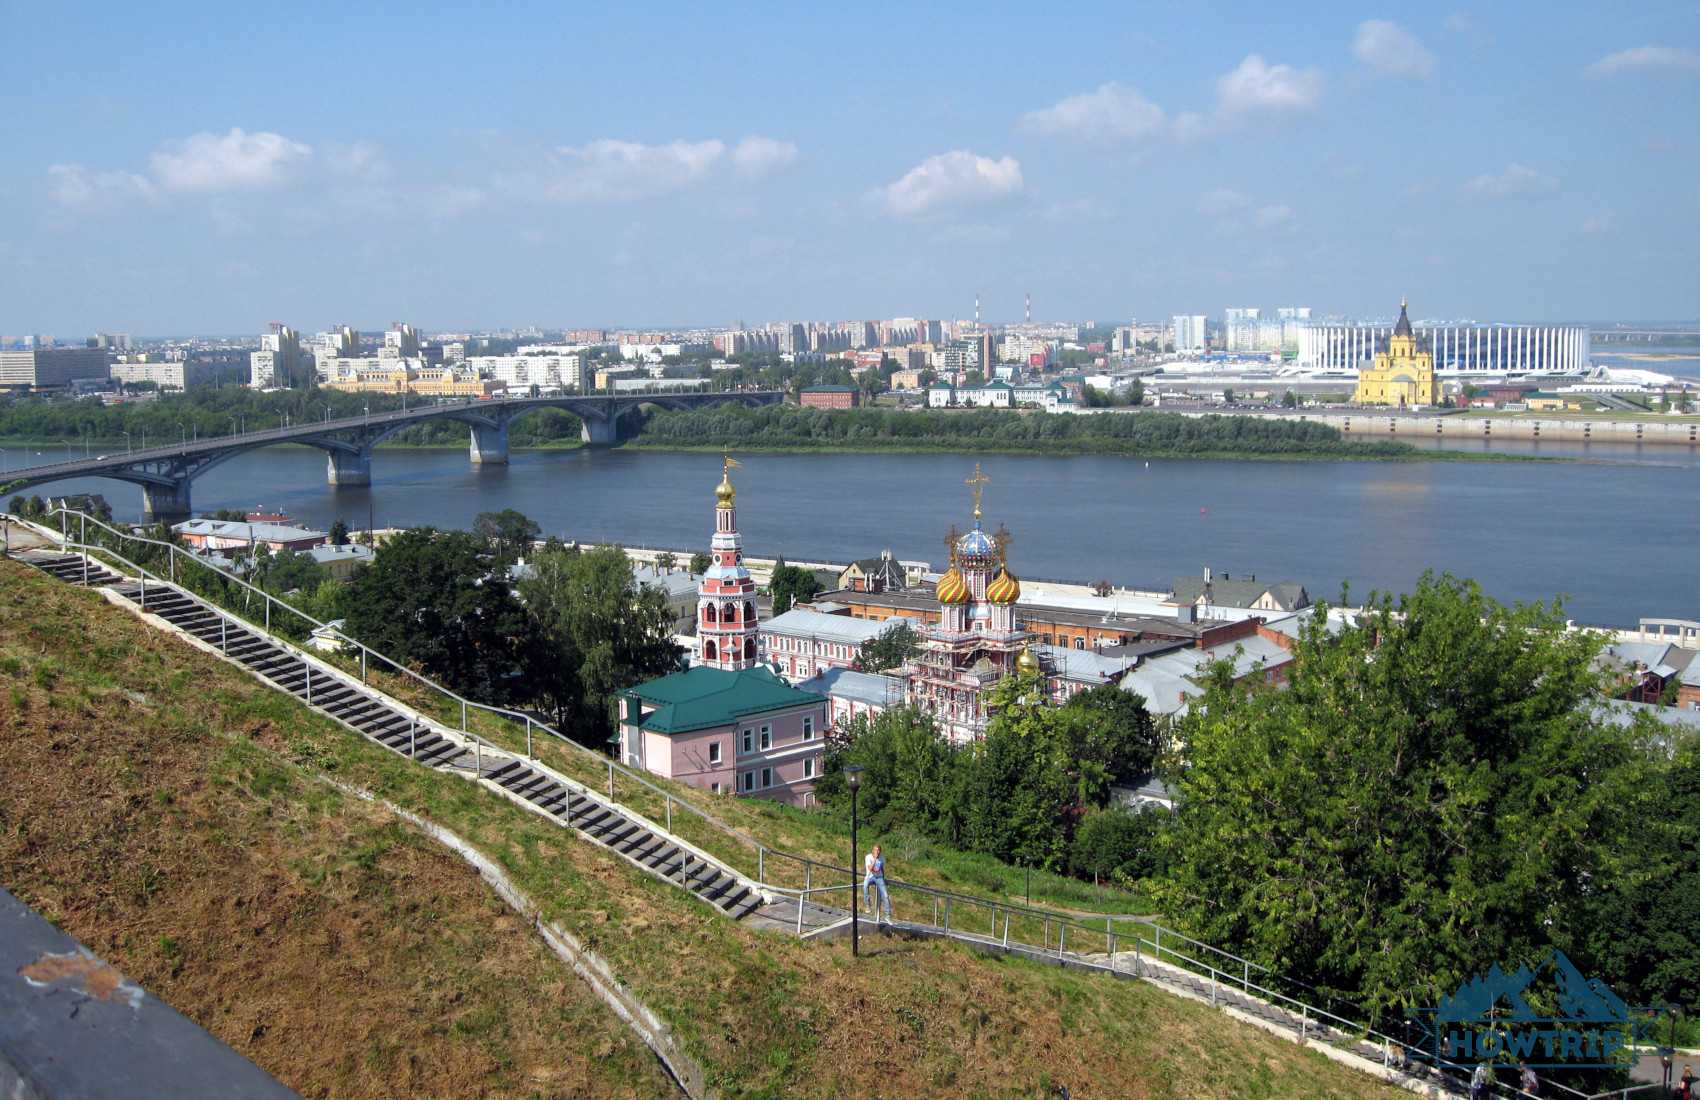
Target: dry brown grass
(337, 949)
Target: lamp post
(853, 776)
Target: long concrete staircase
(402, 731)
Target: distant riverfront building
(1401, 376)
(1457, 349)
(51, 368)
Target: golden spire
(978, 482)
(724, 494)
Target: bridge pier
(166, 503)
(490, 445)
(348, 468)
(600, 432)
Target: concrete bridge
(165, 473)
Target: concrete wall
(1568, 429)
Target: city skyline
(640, 169)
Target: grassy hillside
(174, 822)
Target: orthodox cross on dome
(977, 483)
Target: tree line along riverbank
(218, 412)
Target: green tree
(600, 633)
(1019, 786)
(1290, 400)
(1434, 791)
(911, 772)
(339, 533)
(1647, 931)
(1112, 739)
(700, 562)
(666, 561)
(790, 583)
(431, 601)
(1228, 395)
(888, 650)
(1118, 845)
(509, 534)
(1136, 392)
(288, 571)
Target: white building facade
(1457, 349)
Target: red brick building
(830, 397)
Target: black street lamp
(853, 776)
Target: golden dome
(1004, 588)
(724, 494)
(952, 588)
(1027, 664)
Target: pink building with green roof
(744, 731)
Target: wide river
(1615, 531)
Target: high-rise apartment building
(400, 342)
(1189, 331)
(279, 362)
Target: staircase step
(510, 766)
(442, 751)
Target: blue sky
(183, 168)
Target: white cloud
(1516, 179)
(222, 162)
(72, 185)
(757, 156)
(1114, 112)
(1221, 200)
(1391, 49)
(1645, 57)
(1259, 87)
(1273, 215)
(610, 170)
(956, 176)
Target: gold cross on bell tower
(978, 482)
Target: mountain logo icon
(1499, 997)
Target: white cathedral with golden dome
(977, 641)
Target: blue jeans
(885, 898)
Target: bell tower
(726, 597)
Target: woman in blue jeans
(873, 869)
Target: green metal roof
(701, 698)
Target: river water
(1615, 531)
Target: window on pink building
(714, 753)
(808, 727)
(809, 768)
(766, 777)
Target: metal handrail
(226, 614)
